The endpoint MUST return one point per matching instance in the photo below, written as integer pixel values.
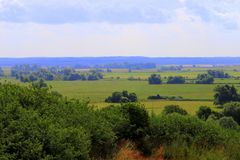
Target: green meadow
(96, 92)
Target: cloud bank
(119, 27)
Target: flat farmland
(97, 91)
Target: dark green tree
(174, 109)
(204, 79)
(204, 112)
(225, 94)
(228, 123)
(154, 79)
(232, 110)
(218, 74)
(176, 80)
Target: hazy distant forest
(118, 108)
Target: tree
(204, 79)
(154, 79)
(39, 84)
(174, 109)
(122, 97)
(228, 123)
(1, 72)
(204, 112)
(232, 110)
(225, 94)
(176, 80)
(218, 74)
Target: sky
(93, 28)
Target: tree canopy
(204, 79)
(225, 94)
(154, 79)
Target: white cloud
(104, 39)
(119, 27)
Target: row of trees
(201, 79)
(27, 73)
(218, 74)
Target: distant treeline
(94, 61)
(31, 73)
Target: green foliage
(232, 110)
(130, 122)
(218, 74)
(204, 112)
(39, 124)
(168, 128)
(228, 123)
(225, 94)
(176, 80)
(174, 109)
(154, 79)
(122, 97)
(177, 98)
(31, 73)
(204, 79)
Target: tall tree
(224, 94)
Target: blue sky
(156, 28)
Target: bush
(176, 80)
(168, 128)
(157, 97)
(174, 109)
(232, 110)
(129, 122)
(228, 123)
(204, 112)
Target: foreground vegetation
(38, 123)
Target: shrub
(232, 110)
(166, 129)
(204, 112)
(174, 109)
(228, 123)
(130, 122)
(176, 80)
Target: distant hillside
(94, 61)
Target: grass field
(97, 91)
